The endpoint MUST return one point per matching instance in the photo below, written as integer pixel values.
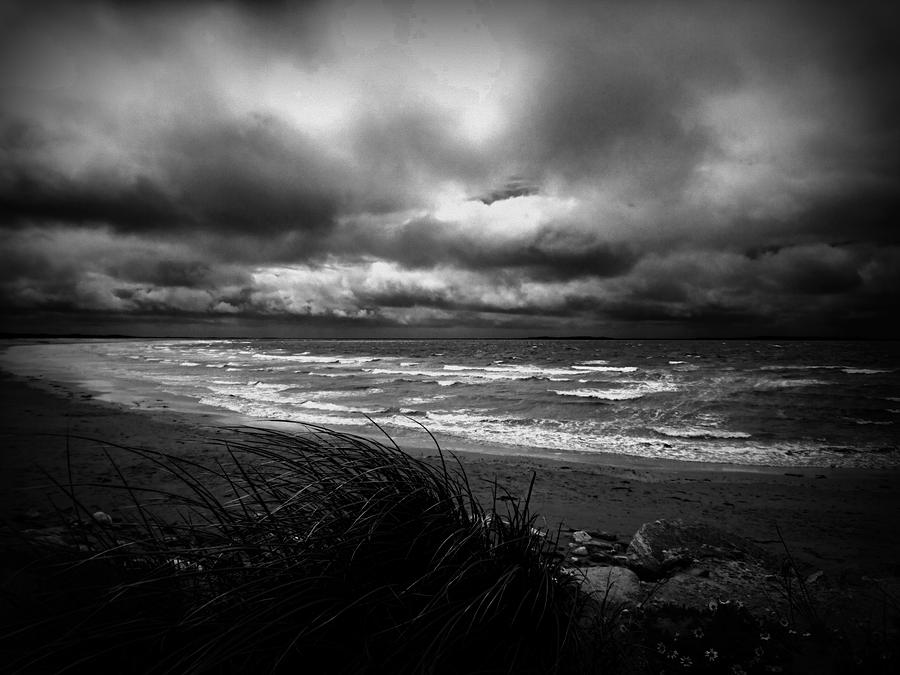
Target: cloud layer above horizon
(474, 167)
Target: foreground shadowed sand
(839, 520)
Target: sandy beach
(841, 521)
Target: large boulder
(612, 585)
(660, 548)
(696, 565)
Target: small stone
(814, 577)
(581, 550)
(601, 546)
(102, 518)
(581, 537)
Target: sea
(762, 403)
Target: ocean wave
(336, 407)
(604, 394)
(412, 412)
(422, 400)
(301, 358)
(849, 370)
(530, 435)
(319, 373)
(606, 369)
(699, 432)
(465, 374)
(787, 384)
(789, 366)
(857, 420)
(643, 388)
(220, 394)
(312, 395)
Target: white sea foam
(699, 432)
(864, 371)
(315, 395)
(676, 363)
(464, 374)
(335, 407)
(301, 358)
(606, 369)
(319, 373)
(622, 394)
(786, 384)
(525, 372)
(604, 394)
(482, 427)
(421, 400)
(262, 409)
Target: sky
(430, 169)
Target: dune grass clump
(314, 551)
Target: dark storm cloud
(421, 163)
(550, 251)
(598, 112)
(253, 176)
(515, 187)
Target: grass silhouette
(304, 551)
